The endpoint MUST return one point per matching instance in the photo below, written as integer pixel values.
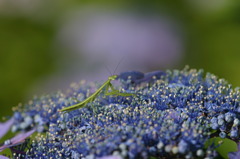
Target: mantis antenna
(108, 70)
(118, 64)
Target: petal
(4, 127)
(3, 157)
(18, 139)
(22, 136)
(110, 157)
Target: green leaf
(224, 146)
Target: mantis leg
(116, 92)
(113, 92)
(111, 86)
(106, 89)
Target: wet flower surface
(172, 116)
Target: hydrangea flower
(172, 115)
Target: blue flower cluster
(171, 116)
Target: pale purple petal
(3, 157)
(22, 136)
(18, 139)
(4, 127)
(110, 157)
(235, 155)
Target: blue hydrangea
(171, 116)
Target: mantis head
(113, 77)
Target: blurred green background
(30, 50)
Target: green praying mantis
(91, 98)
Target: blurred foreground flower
(12, 143)
(173, 115)
(3, 157)
(4, 127)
